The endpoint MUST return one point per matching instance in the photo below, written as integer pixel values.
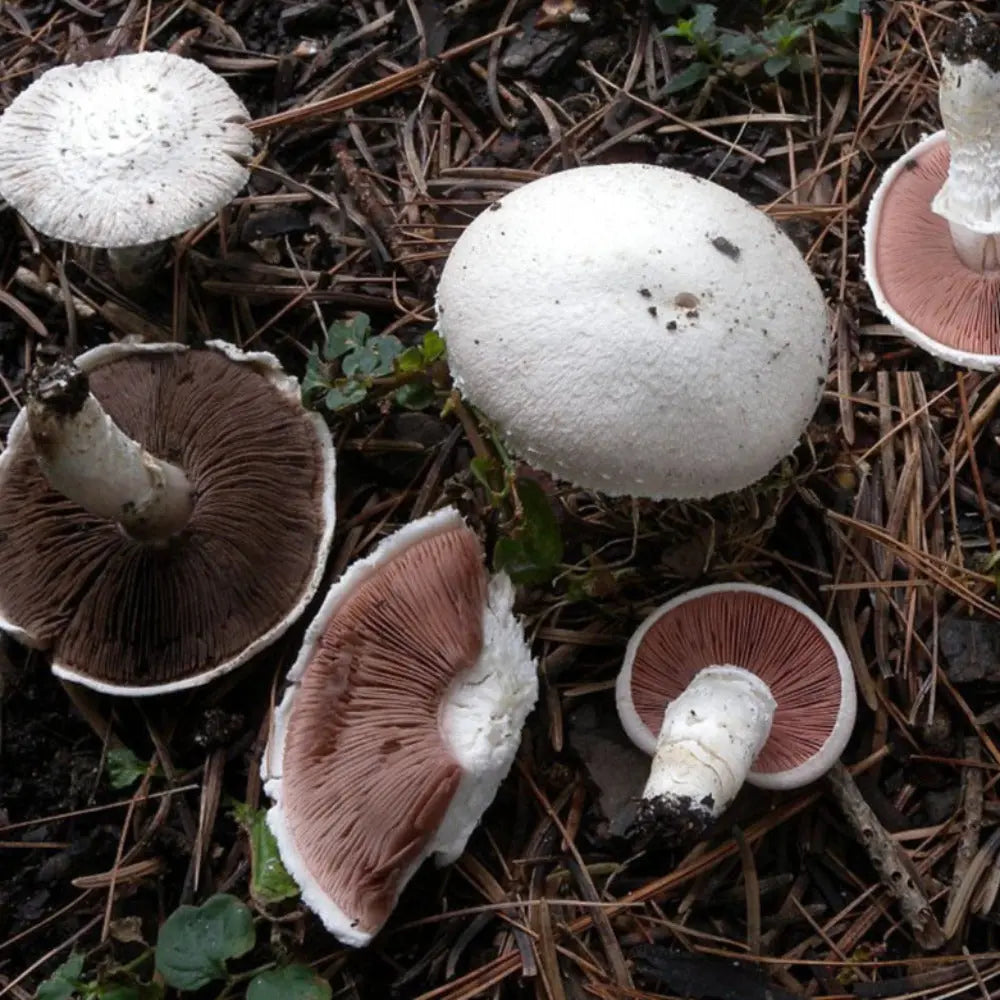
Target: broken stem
(89, 459)
(710, 736)
(969, 94)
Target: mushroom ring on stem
(726, 684)
(165, 513)
(932, 235)
(636, 330)
(402, 716)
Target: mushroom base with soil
(710, 737)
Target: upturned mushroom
(165, 513)
(726, 684)
(636, 330)
(932, 236)
(401, 718)
(124, 153)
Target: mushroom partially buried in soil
(636, 330)
(932, 236)
(124, 153)
(402, 717)
(165, 513)
(726, 684)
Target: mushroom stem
(133, 267)
(710, 736)
(89, 459)
(970, 111)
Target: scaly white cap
(123, 151)
(636, 330)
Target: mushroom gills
(402, 717)
(710, 736)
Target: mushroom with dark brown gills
(124, 153)
(402, 716)
(726, 684)
(165, 513)
(932, 236)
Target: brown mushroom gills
(920, 272)
(366, 774)
(760, 634)
(127, 613)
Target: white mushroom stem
(89, 459)
(970, 197)
(134, 267)
(710, 736)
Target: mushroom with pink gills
(636, 330)
(124, 153)
(401, 718)
(165, 513)
(725, 684)
(932, 235)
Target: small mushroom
(932, 235)
(165, 513)
(636, 330)
(401, 718)
(726, 684)
(124, 153)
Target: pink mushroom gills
(402, 716)
(932, 237)
(165, 513)
(726, 684)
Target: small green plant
(533, 549)
(530, 550)
(123, 767)
(194, 949)
(269, 880)
(353, 361)
(776, 47)
(196, 941)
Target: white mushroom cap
(636, 330)
(123, 151)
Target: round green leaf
(196, 941)
(291, 982)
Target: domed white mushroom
(636, 330)
(123, 152)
